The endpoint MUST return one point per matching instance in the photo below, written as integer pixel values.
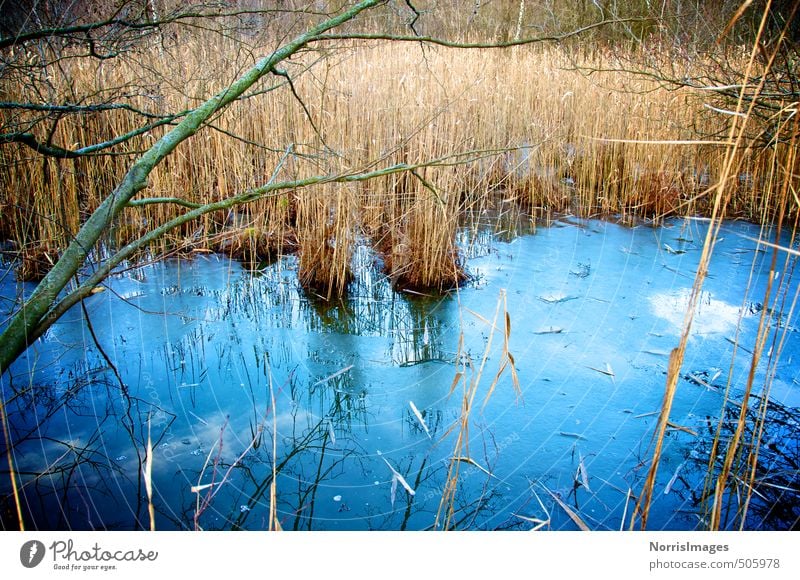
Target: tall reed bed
(556, 139)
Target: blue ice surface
(203, 346)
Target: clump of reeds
(260, 234)
(419, 244)
(325, 240)
(254, 246)
(436, 265)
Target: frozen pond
(374, 387)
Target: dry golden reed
(568, 141)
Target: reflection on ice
(711, 317)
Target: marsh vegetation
(313, 296)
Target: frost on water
(204, 346)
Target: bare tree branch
(472, 45)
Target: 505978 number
(757, 563)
